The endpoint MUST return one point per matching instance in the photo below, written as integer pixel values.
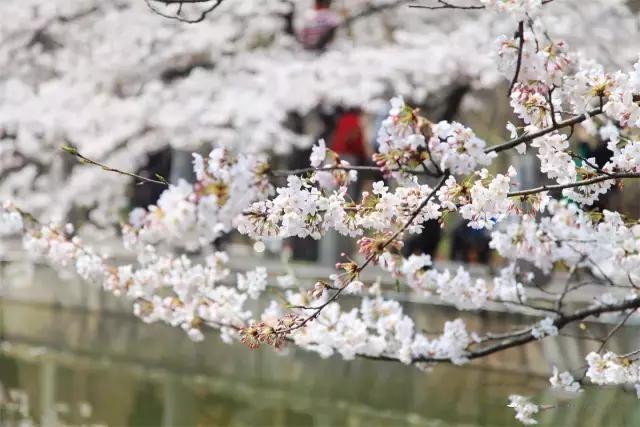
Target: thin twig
(615, 329)
(442, 4)
(203, 14)
(595, 180)
(69, 149)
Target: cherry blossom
(112, 116)
(564, 381)
(524, 409)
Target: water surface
(80, 368)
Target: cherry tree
(118, 83)
(557, 78)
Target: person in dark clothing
(306, 249)
(159, 163)
(425, 242)
(602, 155)
(470, 245)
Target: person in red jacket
(348, 138)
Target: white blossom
(10, 223)
(253, 282)
(544, 328)
(525, 410)
(564, 381)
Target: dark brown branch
(375, 169)
(559, 323)
(520, 35)
(531, 136)
(303, 171)
(202, 15)
(443, 4)
(595, 180)
(588, 163)
(552, 109)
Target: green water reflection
(133, 374)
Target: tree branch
(560, 322)
(520, 35)
(360, 268)
(72, 151)
(443, 4)
(573, 184)
(531, 136)
(203, 14)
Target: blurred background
(132, 89)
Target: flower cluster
(507, 287)
(191, 215)
(181, 293)
(456, 148)
(554, 160)
(408, 140)
(544, 328)
(532, 104)
(588, 194)
(605, 242)
(451, 345)
(614, 93)
(460, 288)
(10, 221)
(302, 209)
(540, 69)
(611, 368)
(525, 409)
(163, 288)
(253, 282)
(377, 328)
(484, 201)
(564, 381)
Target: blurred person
(426, 242)
(470, 245)
(348, 142)
(158, 163)
(611, 199)
(348, 137)
(306, 249)
(319, 26)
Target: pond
(80, 368)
